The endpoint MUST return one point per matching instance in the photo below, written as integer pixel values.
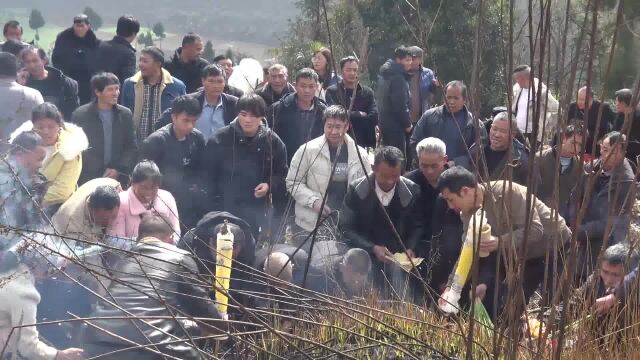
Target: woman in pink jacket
(144, 196)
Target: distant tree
(145, 39)
(158, 29)
(94, 18)
(208, 53)
(229, 54)
(36, 21)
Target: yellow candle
(224, 249)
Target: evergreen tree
(158, 29)
(94, 18)
(208, 53)
(36, 21)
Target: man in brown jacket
(512, 238)
(566, 167)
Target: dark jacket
(196, 241)
(364, 127)
(364, 225)
(124, 148)
(567, 180)
(629, 286)
(77, 58)
(427, 200)
(117, 56)
(270, 97)
(431, 125)
(228, 103)
(180, 163)
(233, 91)
(234, 165)
(611, 201)
(392, 97)
(606, 123)
(190, 73)
(59, 89)
(445, 243)
(426, 87)
(293, 126)
(633, 145)
(160, 281)
(519, 164)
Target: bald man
(585, 111)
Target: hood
(71, 142)
(90, 40)
(196, 240)
(391, 68)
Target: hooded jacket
(61, 90)
(190, 73)
(196, 241)
(235, 164)
(393, 98)
(293, 126)
(77, 58)
(310, 174)
(63, 167)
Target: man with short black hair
(364, 113)
(159, 272)
(393, 99)
(364, 224)
(608, 209)
(586, 107)
(150, 91)
(55, 87)
(277, 84)
(226, 64)
(297, 117)
(12, 30)
(16, 101)
(178, 149)
(75, 54)
(630, 117)
(110, 131)
(117, 55)
(451, 122)
(186, 63)
(245, 162)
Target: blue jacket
(426, 87)
(133, 93)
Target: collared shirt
(211, 119)
(150, 110)
(385, 197)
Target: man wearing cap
(150, 91)
(74, 53)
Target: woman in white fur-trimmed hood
(65, 143)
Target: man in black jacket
(74, 53)
(117, 55)
(109, 128)
(226, 64)
(54, 86)
(393, 99)
(218, 108)
(159, 285)
(178, 149)
(585, 111)
(625, 111)
(245, 162)
(186, 63)
(363, 221)
(276, 86)
(364, 114)
(297, 118)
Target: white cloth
(385, 197)
(523, 110)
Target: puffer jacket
(175, 289)
(392, 97)
(310, 173)
(63, 167)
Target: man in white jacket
(523, 105)
(311, 173)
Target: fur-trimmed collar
(71, 143)
(166, 77)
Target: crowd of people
(136, 163)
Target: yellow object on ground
(402, 260)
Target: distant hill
(248, 25)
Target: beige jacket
(309, 175)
